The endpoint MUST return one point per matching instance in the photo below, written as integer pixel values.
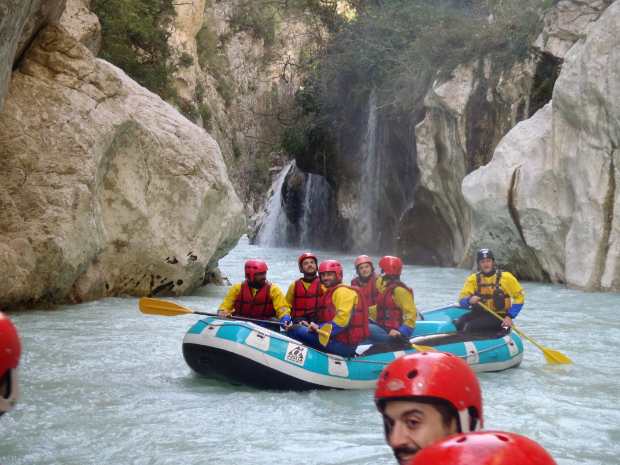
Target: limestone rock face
(82, 24)
(104, 188)
(182, 39)
(465, 119)
(548, 201)
(20, 20)
(564, 21)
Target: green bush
(134, 38)
(208, 47)
(236, 146)
(256, 18)
(186, 60)
(206, 113)
(226, 90)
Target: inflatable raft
(243, 353)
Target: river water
(103, 383)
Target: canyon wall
(105, 189)
(548, 201)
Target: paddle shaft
(443, 307)
(513, 326)
(240, 318)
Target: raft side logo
(296, 354)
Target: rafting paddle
(552, 356)
(416, 347)
(165, 308)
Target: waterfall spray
(273, 231)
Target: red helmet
(433, 374)
(331, 265)
(484, 448)
(254, 266)
(391, 265)
(364, 259)
(307, 255)
(10, 352)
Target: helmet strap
(6, 403)
(464, 420)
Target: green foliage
(210, 57)
(256, 18)
(259, 178)
(206, 113)
(226, 90)
(186, 60)
(134, 38)
(546, 4)
(236, 146)
(396, 49)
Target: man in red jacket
(256, 297)
(303, 295)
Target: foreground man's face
(410, 426)
(364, 270)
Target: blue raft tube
(242, 353)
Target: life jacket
(369, 291)
(389, 314)
(259, 306)
(357, 330)
(493, 295)
(306, 301)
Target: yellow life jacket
(493, 295)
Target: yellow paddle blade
(423, 348)
(552, 356)
(324, 334)
(161, 307)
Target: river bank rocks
(105, 189)
(548, 201)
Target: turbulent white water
(103, 383)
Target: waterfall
(273, 232)
(371, 179)
(317, 208)
(300, 211)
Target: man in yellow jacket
(256, 298)
(495, 289)
(342, 310)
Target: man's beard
(405, 453)
(258, 284)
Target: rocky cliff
(19, 22)
(104, 188)
(466, 117)
(548, 201)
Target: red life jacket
(388, 313)
(306, 301)
(259, 306)
(369, 291)
(357, 330)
